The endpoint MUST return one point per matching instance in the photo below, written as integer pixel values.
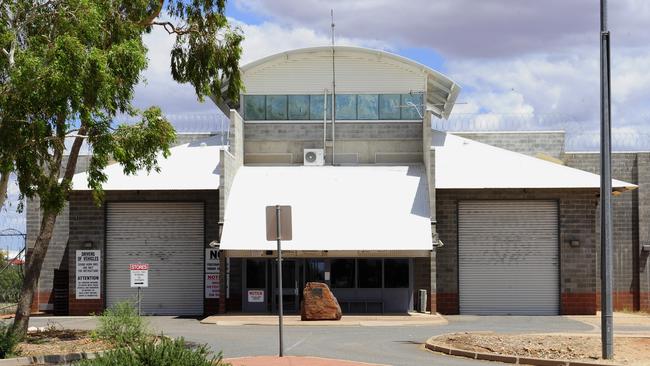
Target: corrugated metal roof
(192, 166)
(333, 208)
(467, 164)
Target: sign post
(139, 279)
(278, 228)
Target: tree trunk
(36, 256)
(33, 270)
(4, 183)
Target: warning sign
(88, 273)
(139, 274)
(255, 295)
(212, 260)
(211, 286)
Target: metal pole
(280, 307)
(139, 301)
(606, 239)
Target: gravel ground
(629, 350)
(55, 342)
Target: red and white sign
(255, 295)
(139, 274)
(211, 286)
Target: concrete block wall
(550, 143)
(578, 265)
(356, 143)
(88, 221)
(631, 211)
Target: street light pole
(606, 238)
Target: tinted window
(389, 106)
(316, 107)
(254, 107)
(396, 273)
(342, 275)
(256, 273)
(276, 107)
(315, 270)
(299, 107)
(368, 106)
(409, 111)
(346, 106)
(369, 273)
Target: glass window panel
(255, 273)
(389, 106)
(254, 107)
(369, 273)
(368, 106)
(315, 270)
(299, 107)
(342, 273)
(276, 107)
(396, 273)
(346, 106)
(316, 107)
(408, 111)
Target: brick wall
(578, 265)
(87, 224)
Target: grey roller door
(169, 237)
(508, 257)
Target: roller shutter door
(508, 257)
(169, 237)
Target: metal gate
(169, 236)
(508, 257)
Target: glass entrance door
(290, 286)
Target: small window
(255, 273)
(409, 104)
(346, 107)
(342, 273)
(369, 273)
(299, 107)
(396, 273)
(316, 107)
(254, 107)
(368, 106)
(389, 106)
(276, 107)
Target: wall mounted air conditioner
(314, 157)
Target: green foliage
(11, 280)
(121, 325)
(161, 352)
(8, 341)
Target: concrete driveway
(393, 345)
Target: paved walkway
(346, 320)
(293, 361)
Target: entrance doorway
(291, 285)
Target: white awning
(192, 166)
(462, 163)
(333, 208)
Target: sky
(522, 64)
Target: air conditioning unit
(314, 157)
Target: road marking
(296, 344)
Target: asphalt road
(392, 345)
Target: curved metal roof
(441, 90)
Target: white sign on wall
(255, 295)
(211, 286)
(211, 260)
(88, 273)
(139, 274)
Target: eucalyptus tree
(69, 67)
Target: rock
(319, 303)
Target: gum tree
(68, 68)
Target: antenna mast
(333, 93)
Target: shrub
(161, 352)
(121, 325)
(8, 341)
(11, 281)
